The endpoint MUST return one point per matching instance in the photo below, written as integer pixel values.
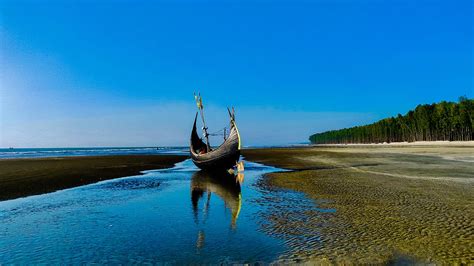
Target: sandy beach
(392, 203)
(24, 177)
(382, 202)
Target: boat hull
(226, 161)
(223, 157)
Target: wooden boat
(223, 157)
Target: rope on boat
(218, 132)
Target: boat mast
(198, 99)
(205, 131)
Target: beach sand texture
(392, 203)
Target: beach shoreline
(408, 144)
(388, 200)
(32, 176)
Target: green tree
(438, 121)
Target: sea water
(95, 151)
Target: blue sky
(122, 73)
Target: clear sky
(123, 73)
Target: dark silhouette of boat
(223, 157)
(226, 186)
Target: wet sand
(24, 177)
(392, 204)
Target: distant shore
(25, 177)
(415, 143)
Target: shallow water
(177, 215)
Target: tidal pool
(177, 215)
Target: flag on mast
(198, 99)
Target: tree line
(428, 122)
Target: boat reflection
(225, 185)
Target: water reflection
(223, 184)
